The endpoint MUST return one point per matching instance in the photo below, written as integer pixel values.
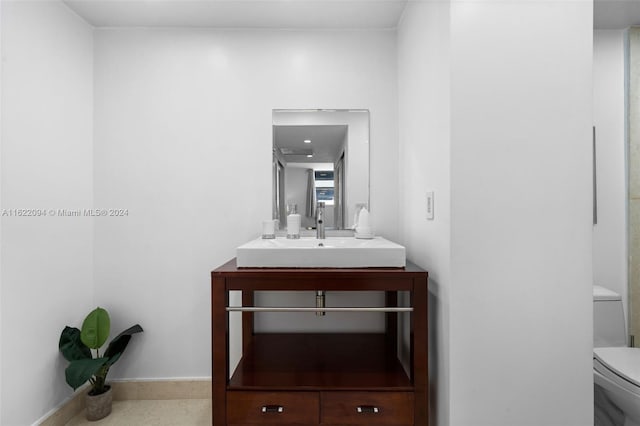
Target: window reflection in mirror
(320, 155)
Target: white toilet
(616, 366)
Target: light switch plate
(430, 205)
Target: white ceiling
(300, 14)
(303, 14)
(616, 14)
(326, 141)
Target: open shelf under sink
(320, 361)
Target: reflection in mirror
(320, 156)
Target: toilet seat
(621, 365)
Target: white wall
(610, 234)
(1, 126)
(46, 164)
(424, 134)
(521, 213)
(183, 140)
(495, 117)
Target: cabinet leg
(419, 351)
(220, 350)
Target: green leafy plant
(76, 345)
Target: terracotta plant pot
(98, 406)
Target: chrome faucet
(320, 221)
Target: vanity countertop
(231, 267)
(330, 279)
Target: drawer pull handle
(272, 409)
(368, 409)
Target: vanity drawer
(367, 408)
(272, 408)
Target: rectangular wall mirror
(320, 155)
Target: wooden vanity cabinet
(311, 379)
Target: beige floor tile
(183, 412)
(162, 389)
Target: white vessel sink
(332, 252)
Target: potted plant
(85, 365)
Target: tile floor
(172, 412)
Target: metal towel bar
(297, 309)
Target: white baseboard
(65, 411)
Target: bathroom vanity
(310, 379)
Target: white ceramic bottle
(293, 223)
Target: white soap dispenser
(293, 222)
(356, 214)
(363, 228)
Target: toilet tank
(609, 328)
